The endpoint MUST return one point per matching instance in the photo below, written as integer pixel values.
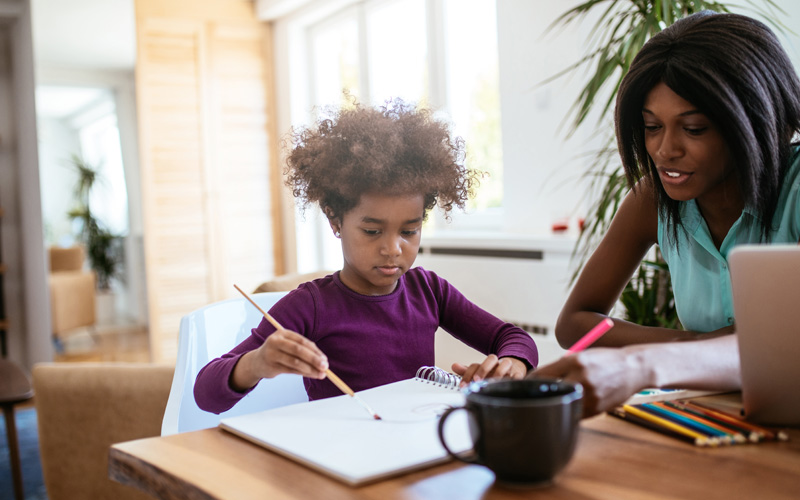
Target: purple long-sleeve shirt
(370, 340)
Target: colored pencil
(735, 436)
(723, 437)
(761, 431)
(740, 433)
(592, 335)
(629, 417)
(700, 439)
(332, 376)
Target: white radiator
(521, 279)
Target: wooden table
(613, 460)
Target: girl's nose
(391, 245)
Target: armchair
(84, 408)
(72, 290)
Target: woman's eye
(695, 130)
(651, 128)
(371, 232)
(410, 232)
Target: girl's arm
(610, 376)
(633, 231)
(266, 352)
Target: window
(441, 54)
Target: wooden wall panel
(169, 93)
(208, 169)
(241, 148)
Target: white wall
(56, 143)
(542, 168)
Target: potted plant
(621, 30)
(103, 248)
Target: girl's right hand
(284, 351)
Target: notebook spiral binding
(437, 376)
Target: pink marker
(593, 334)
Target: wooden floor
(110, 343)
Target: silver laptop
(766, 302)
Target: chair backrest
(208, 333)
(82, 409)
(66, 258)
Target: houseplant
(619, 33)
(103, 248)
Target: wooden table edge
(124, 469)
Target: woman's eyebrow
(685, 113)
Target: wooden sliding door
(209, 176)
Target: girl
(375, 173)
(705, 122)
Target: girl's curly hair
(396, 149)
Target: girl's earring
(337, 234)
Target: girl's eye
(652, 128)
(410, 232)
(371, 232)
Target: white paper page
(338, 436)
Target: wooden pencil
(332, 376)
(740, 434)
(723, 437)
(760, 431)
(700, 439)
(734, 436)
(722, 418)
(629, 417)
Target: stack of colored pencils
(697, 424)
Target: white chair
(207, 333)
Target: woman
(705, 120)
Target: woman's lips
(673, 177)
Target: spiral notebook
(337, 437)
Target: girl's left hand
(491, 367)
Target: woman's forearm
(572, 326)
(611, 376)
(704, 364)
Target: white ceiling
(98, 34)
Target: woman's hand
(491, 367)
(284, 351)
(611, 376)
(608, 376)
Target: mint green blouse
(701, 281)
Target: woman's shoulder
(637, 217)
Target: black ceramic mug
(525, 431)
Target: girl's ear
(337, 228)
(335, 222)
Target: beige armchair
(84, 408)
(72, 290)
(288, 282)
